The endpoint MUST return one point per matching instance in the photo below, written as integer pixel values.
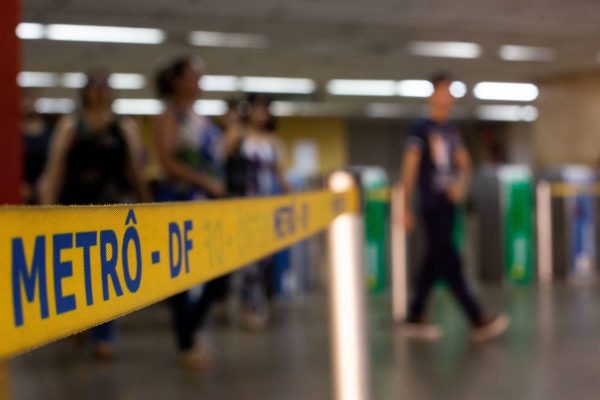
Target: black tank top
(36, 151)
(96, 167)
(237, 171)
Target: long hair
(166, 77)
(253, 100)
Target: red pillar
(10, 143)
(10, 137)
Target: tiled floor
(552, 351)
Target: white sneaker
(491, 329)
(424, 331)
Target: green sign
(517, 215)
(376, 224)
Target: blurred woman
(95, 157)
(190, 151)
(255, 168)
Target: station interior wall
(568, 127)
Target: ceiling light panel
(277, 85)
(511, 52)
(107, 34)
(28, 30)
(458, 89)
(37, 79)
(415, 88)
(54, 105)
(73, 80)
(362, 87)
(210, 107)
(506, 91)
(509, 113)
(219, 83)
(221, 39)
(445, 49)
(137, 106)
(127, 81)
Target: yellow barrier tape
(564, 189)
(66, 269)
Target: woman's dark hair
(166, 76)
(258, 98)
(94, 78)
(253, 100)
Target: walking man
(437, 166)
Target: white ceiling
(325, 39)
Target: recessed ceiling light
(73, 80)
(127, 81)
(511, 52)
(219, 83)
(385, 110)
(309, 108)
(505, 91)
(76, 80)
(221, 39)
(108, 34)
(445, 49)
(137, 106)
(507, 113)
(458, 89)
(361, 87)
(37, 79)
(277, 85)
(284, 108)
(29, 30)
(415, 88)
(210, 107)
(45, 105)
